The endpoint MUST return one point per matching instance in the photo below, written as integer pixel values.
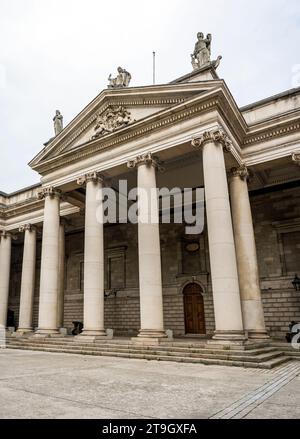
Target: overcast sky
(57, 54)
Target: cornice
(25, 207)
(271, 133)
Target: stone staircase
(261, 355)
(287, 350)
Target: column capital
(50, 191)
(29, 227)
(296, 158)
(145, 159)
(241, 172)
(4, 234)
(216, 136)
(96, 177)
(63, 221)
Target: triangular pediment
(113, 111)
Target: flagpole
(154, 68)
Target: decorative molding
(241, 172)
(217, 136)
(91, 176)
(272, 133)
(49, 192)
(296, 158)
(145, 159)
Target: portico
(144, 278)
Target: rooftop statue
(122, 80)
(58, 122)
(202, 53)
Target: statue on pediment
(58, 122)
(202, 52)
(122, 80)
(113, 119)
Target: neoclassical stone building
(232, 282)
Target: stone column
(93, 318)
(28, 279)
(49, 263)
(5, 261)
(252, 308)
(61, 276)
(150, 277)
(223, 264)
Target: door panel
(194, 310)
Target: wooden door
(194, 309)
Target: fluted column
(252, 308)
(150, 278)
(28, 279)
(61, 275)
(93, 318)
(49, 263)
(223, 264)
(5, 261)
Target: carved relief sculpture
(113, 119)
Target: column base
(23, 332)
(258, 335)
(45, 333)
(228, 338)
(150, 337)
(91, 336)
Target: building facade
(232, 281)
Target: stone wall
(276, 217)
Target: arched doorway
(194, 309)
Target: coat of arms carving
(113, 119)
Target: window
(291, 251)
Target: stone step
(260, 355)
(127, 342)
(265, 362)
(164, 346)
(288, 350)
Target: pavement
(41, 385)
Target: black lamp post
(296, 283)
